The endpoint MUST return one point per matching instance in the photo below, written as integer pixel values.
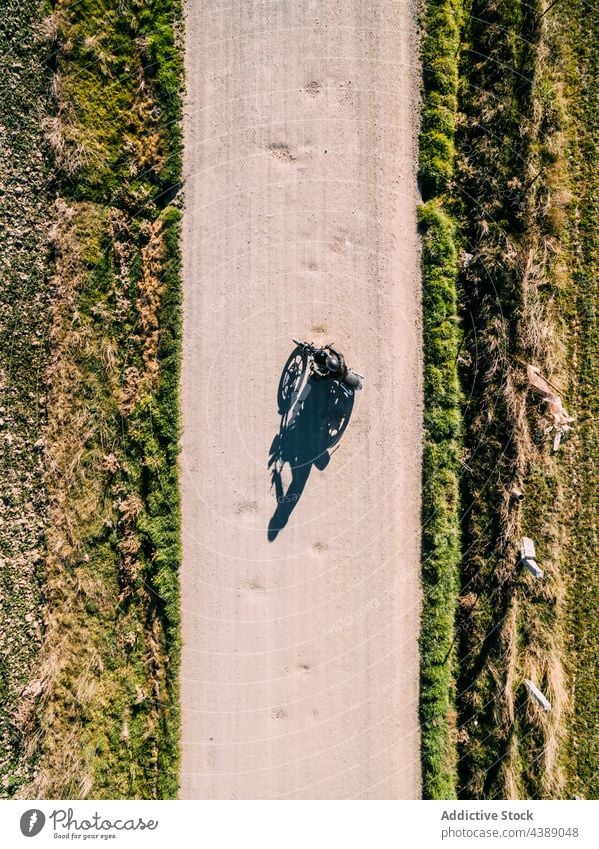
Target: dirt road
(300, 589)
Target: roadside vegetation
(107, 714)
(525, 292)
(442, 420)
(510, 624)
(523, 304)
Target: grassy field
(533, 297)
(108, 711)
(507, 179)
(490, 195)
(512, 218)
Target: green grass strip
(442, 416)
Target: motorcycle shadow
(312, 423)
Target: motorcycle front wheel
(292, 378)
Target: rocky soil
(24, 301)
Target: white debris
(538, 696)
(528, 557)
(561, 419)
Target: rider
(329, 363)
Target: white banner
(301, 825)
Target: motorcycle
(327, 362)
(305, 361)
(316, 396)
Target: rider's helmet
(332, 362)
(352, 379)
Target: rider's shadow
(313, 419)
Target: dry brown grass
(149, 300)
(515, 276)
(541, 659)
(97, 605)
(72, 671)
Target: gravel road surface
(300, 579)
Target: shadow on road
(314, 414)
